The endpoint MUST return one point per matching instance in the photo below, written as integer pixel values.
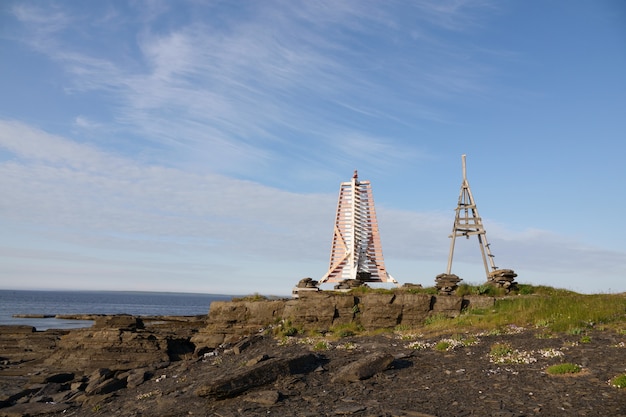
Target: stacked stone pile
(307, 283)
(503, 278)
(348, 284)
(446, 284)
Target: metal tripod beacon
(467, 222)
(356, 253)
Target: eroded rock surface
(129, 366)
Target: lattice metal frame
(467, 222)
(356, 252)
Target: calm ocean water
(97, 302)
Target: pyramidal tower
(356, 252)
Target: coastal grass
(548, 310)
(552, 311)
(563, 368)
(619, 381)
(500, 349)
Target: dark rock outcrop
(262, 373)
(229, 321)
(364, 368)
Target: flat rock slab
(267, 398)
(32, 409)
(364, 368)
(262, 373)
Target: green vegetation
(484, 289)
(549, 309)
(286, 329)
(369, 290)
(347, 330)
(563, 368)
(321, 345)
(618, 381)
(500, 350)
(443, 345)
(253, 297)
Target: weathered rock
(16, 329)
(116, 349)
(17, 395)
(105, 387)
(47, 391)
(267, 398)
(379, 311)
(257, 359)
(307, 283)
(415, 308)
(503, 278)
(364, 368)
(118, 321)
(447, 306)
(478, 301)
(60, 377)
(447, 283)
(315, 310)
(261, 374)
(348, 284)
(33, 409)
(136, 377)
(22, 343)
(228, 321)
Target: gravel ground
(466, 375)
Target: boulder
(364, 368)
(263, 373)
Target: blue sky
(198, 146)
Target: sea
(14, 302)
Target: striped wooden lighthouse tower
(356, 252)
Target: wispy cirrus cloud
(208, 78)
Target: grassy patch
(437, 320)
(443, 345)
(253, 297)
(321, 345)
(286, 329)
(563, 368)
(618, 381)
(347, 330)
(551, 311)
(500, 349)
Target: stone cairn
(446, 284)
(348, 284)
(307, 283)
(503, 278)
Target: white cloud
(105, 214)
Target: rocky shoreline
(229, 364)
